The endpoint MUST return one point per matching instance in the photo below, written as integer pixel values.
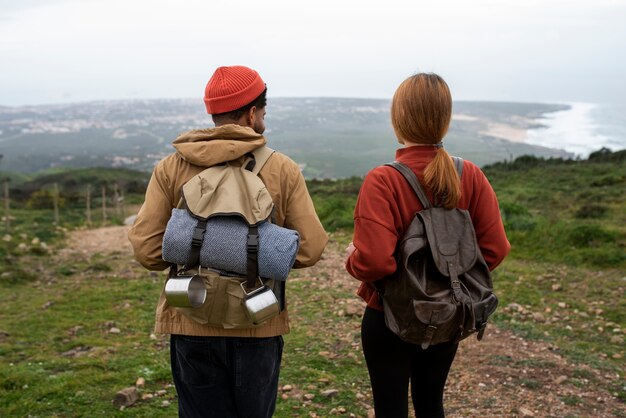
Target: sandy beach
(506, 132)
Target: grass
(61, 353)
(61, 358)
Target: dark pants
(226, 376)
(392, 362)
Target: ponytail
(443, 180)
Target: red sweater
(386, 206)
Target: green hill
(557, 210)
(77, 310)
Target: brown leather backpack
(442, 290)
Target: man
(225, 372)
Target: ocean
(583, 128)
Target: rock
(161, 392)
(165, 404)
(126, 397)
(146, 396)
(140, 382)
(514, 307)
(114, 330)
(538, 317)
(72, 332)
(47, 304)
(617, 339)
(309, 396)
(556, 287)
(287, 388)
(330, 393)
(352, 310)
(560, 380)
(525, 412)
(79, 351)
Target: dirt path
(503, 376)
(100, 240)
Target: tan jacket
(196, 150)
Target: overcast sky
(55, 51)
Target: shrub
(589, 236)
(516, 217)
(591, 211)
(43, 199)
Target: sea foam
(577, 130)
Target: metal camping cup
(185, 291)
(260, 304)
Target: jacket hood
(207, 147)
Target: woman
(421, 111)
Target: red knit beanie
(231, 88)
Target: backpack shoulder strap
(261, 155)
(458, 164)
(410, 176)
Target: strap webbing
(196, 244)
(458, 164)
(410, 176)
(261, 155)
(252, 267)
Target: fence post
(104, 203)
(116, 198)
(7, 211)
(55, 203)
(88, 209)
(122, 204)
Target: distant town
(328, 137)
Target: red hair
(421, 111)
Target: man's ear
(251, 116)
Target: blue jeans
(226, 376)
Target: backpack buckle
(198, 236)
(253, 243)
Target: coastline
(574, 129)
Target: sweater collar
(416, 153)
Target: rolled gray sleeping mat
(225, 241)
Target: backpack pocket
(224, 304)
(439, 320)
(483, 310)
(436, 323)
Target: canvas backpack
(222, 231)
(442, 290)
